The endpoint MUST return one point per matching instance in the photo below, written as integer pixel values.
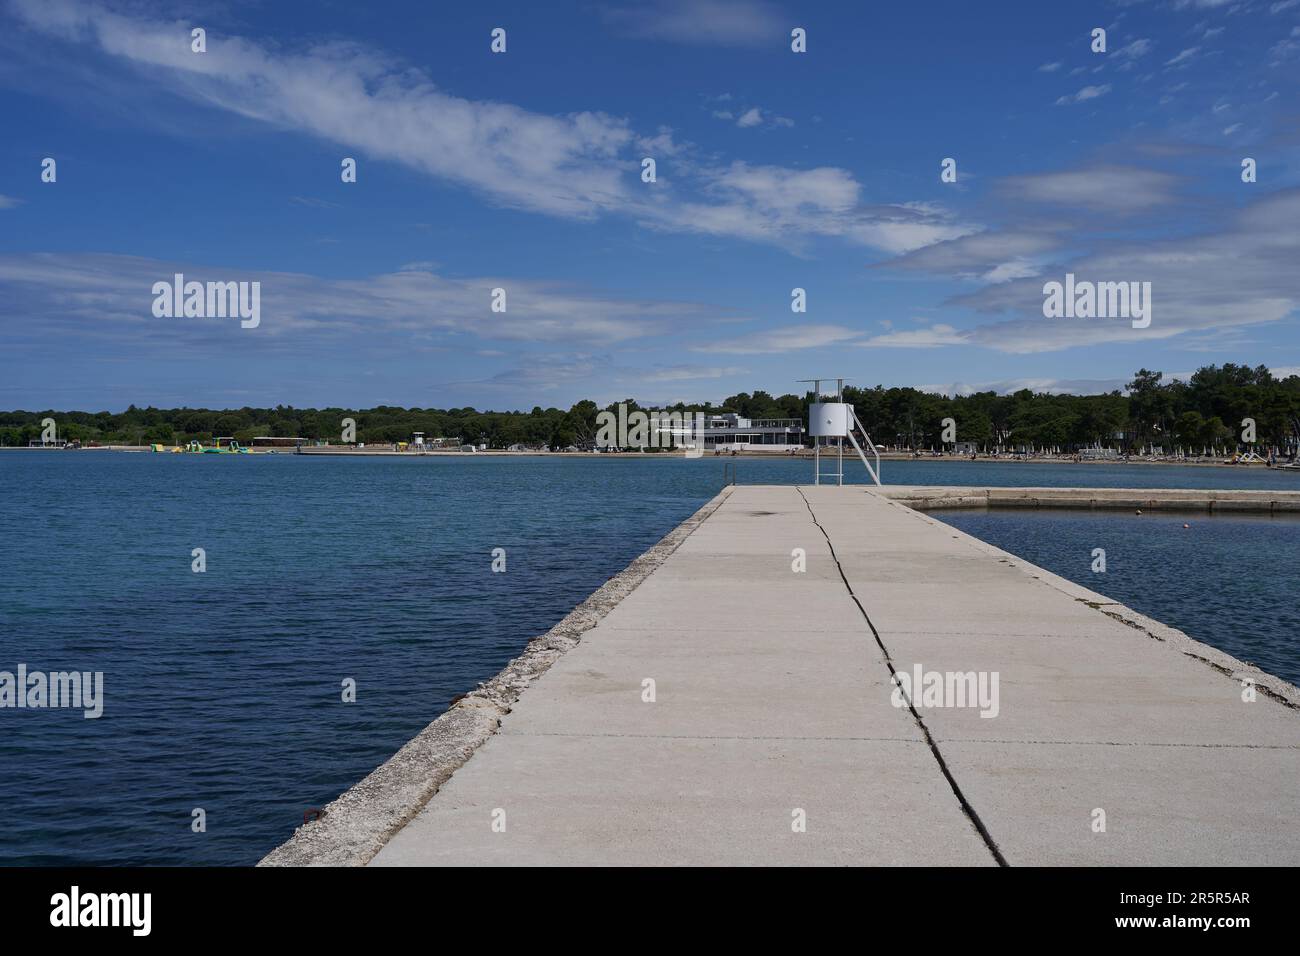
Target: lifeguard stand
(836, 420)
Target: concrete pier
(1114, 740)
(1234, 501)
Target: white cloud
(1050, 67)
(775, 341)
(1014, 269)
(89, 295)
(1085, 94)
(927, 338)
(784, 190)
(1134, 50)
(755, 116)
(8, 202)
(661, 144)
(562, 165)
(1241, 275)
(777, 204)
(1183, 57)
(1285, 48)
(1115, 188)
(578, 165)
(994, 255)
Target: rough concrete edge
(1269, 685)
(357, 824)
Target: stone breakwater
(924, 498)
(356, 825)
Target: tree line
(1207, 410)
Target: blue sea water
(223, 689)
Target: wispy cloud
(1083, 95)
(755, 116)
(1132, 51)
(578, 165)
(1183, 57)
(349, 95)
(927, 338)
(774, 204)
(787, 339)
(1115, 188)
(1240, 275)
(109, 297)
(993, 256)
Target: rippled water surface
(222, 689)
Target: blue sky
(521, 170)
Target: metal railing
(873, 472)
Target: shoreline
(380, 452)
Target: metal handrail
(873, 472)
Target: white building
(730, 432)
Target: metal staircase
(857, 426)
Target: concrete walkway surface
(773, 704)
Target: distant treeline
(1206, 411)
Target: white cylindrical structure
(828, 419)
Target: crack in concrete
(966, 807)
(1264, 689)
